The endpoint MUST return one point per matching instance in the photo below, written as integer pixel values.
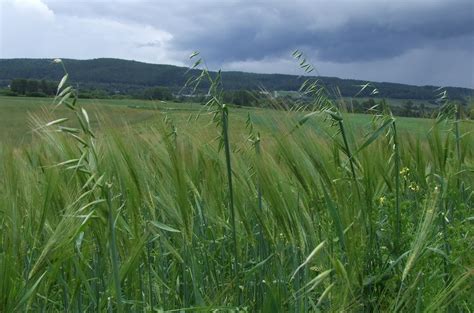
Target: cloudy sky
(408, 41)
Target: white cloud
(26, 8)
(31, 29)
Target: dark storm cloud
(367, 39)
(359, 37)
(339, 31)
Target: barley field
(224, 209)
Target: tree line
(129, 77)
(240, 97)
(32, 87)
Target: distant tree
(383, 104)
(8, 92)
(47, 87)
(422, 109)
(99, 94)
(470, 110)
(18, 86)
(32, 86)
(408, 108)
(367, 105)
(158, 93)
(43, 86)
(241, 97)
(36, 94)
(355, 106)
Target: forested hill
(126, 76)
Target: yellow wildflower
(414, 187)
(382, 200)
(405, 172)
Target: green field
(16, 112)
(141, 206)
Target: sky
(420, 42)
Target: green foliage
(158, 93)
(107, 75)
(149, 218)
(9, 93)
(33, 88)
(408, 108)
(242, 98)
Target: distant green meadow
(16, 112)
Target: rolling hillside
(127, 76)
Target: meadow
(139, 206)
(16, 126)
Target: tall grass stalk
(398, 220)
(225, 134)
(216, 103)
